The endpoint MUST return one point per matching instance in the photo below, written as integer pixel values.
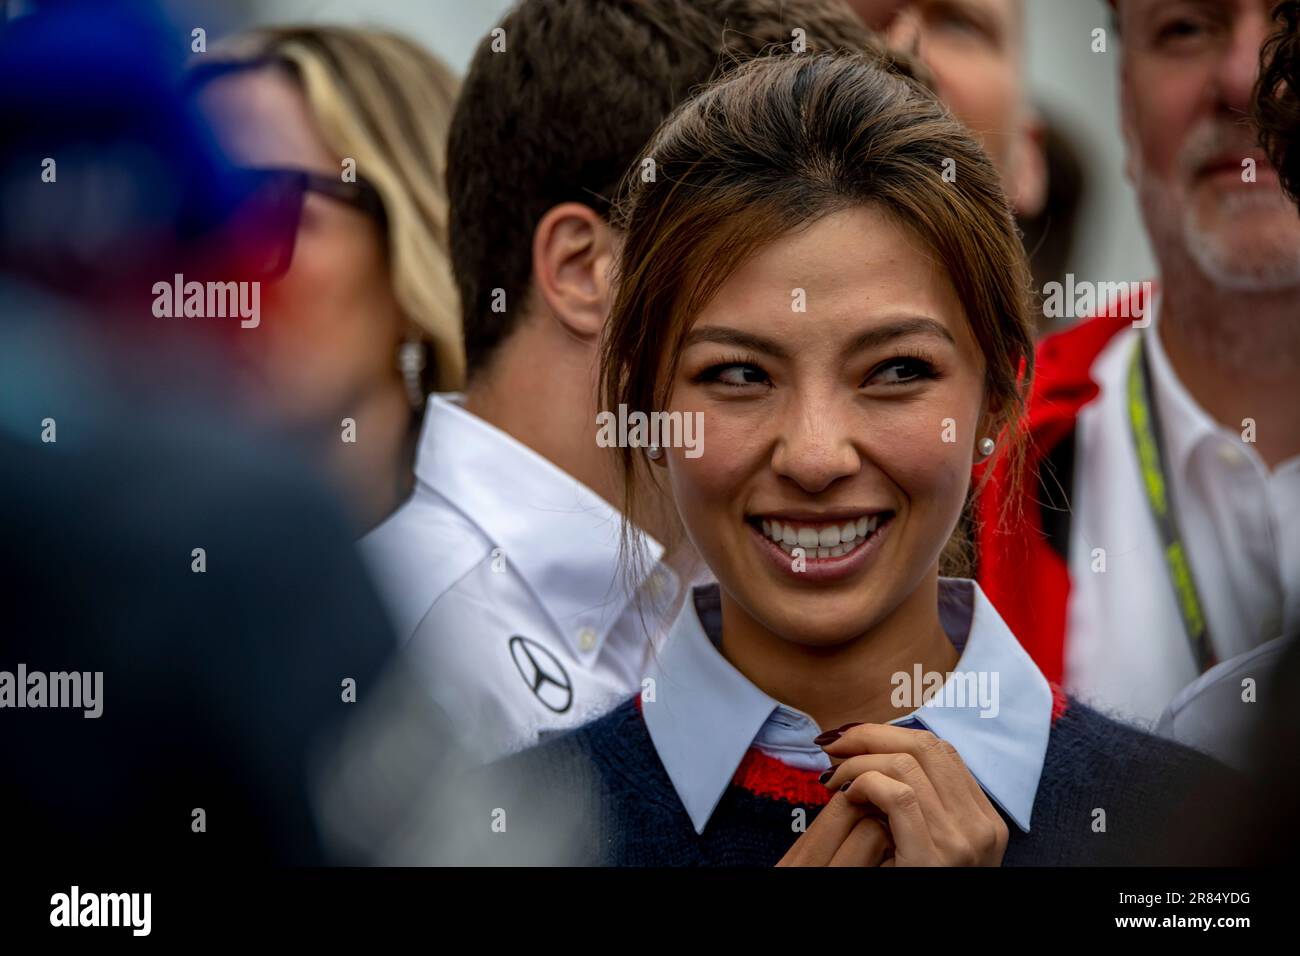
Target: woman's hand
(937, 815)
(844, 834)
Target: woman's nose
(815, 448)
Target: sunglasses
(261, 234)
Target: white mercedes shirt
(502, 574)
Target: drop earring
(986, 446)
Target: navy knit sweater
(599, 795)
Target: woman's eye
(901, 371)
(736, 375)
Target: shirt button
(586, 639)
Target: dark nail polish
(830, 736)
(856, 723)
(846, 786)
(826, 776)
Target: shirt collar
(561, 537)
(706, 714)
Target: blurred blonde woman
(341, 135)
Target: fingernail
(826, 776)
(845, 787)
(830, 736)
(856, 723)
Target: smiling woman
(925, 278)
(851, 326)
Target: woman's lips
(818, 569)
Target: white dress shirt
(503, 578)
(1126, 649)
(706, 714)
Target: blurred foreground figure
(203, 590)
(185, 625)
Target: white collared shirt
(706, 714)
(1126, 649)
(502, 575)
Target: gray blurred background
(1077, 87)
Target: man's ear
(1029, 162)
(573, 253)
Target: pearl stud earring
(654, 452)
(986, 446)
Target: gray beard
(1239, 317)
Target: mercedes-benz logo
(543, 673)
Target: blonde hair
(387, 103)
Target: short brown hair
(1277, 96)
(567, 107)
(778, 144)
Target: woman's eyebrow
(879, 335)
(723, 335)
(874, 337)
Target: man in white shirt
(1183, 550)
(503, 570)
(1239, 521)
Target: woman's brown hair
(777, 144)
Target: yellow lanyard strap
(1145, 427)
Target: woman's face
(847, 429)
(331, 325)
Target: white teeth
(822, 541)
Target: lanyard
(1145, 427)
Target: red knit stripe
(1059, 701)
(766, 776)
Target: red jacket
(1023, 567)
